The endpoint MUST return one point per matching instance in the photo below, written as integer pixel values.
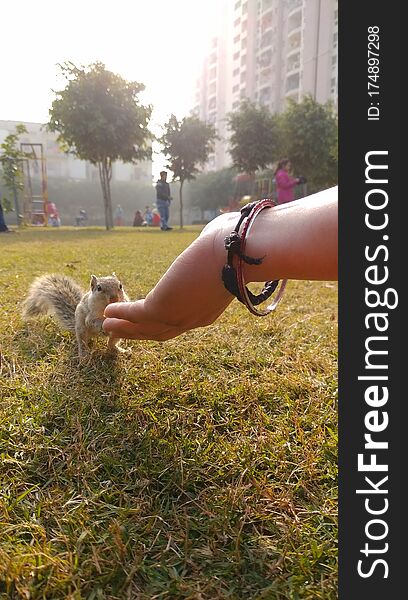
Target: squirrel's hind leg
(83, 341)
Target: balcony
(265, 76)
(294, 40)
(293, 6)
(265, 58)
(292, 82)
(293, 63)
(265, 95)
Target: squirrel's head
(108, 288)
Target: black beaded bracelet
(233, 277)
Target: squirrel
(75, 310)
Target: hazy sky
(160, 43)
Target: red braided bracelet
(248, 222)
(233, 277)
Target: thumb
(130, 311)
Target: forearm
(298, 240)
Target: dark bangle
(233, 277)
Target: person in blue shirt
(163, 199)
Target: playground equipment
(248, 189)
(35, 192)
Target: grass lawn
(204, 467)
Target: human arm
(297, 240)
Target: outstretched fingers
(140, 331)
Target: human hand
(189, 295)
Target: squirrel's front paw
(122, 350)
(113, 346)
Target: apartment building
(67, 166)
(213, 86)
(268, 51)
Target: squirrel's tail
(56, 295)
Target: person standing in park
(119, 212)
(163, 199)
(285, 184)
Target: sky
(160, 43)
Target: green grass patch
(204, 467)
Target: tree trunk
(181, 203)
(105, 174)
(17, 205)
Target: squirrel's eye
(99, 288)
(120, 286)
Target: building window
(212, 73)
(236, 55)
(293, 62)
(237, 38)
(235, 89)
(292, 82)
(266, 22)
(212, 88)
(244, 44)
(237, 22)
(265, 59)
(266, 76)
(265, 95)
(236, 72)
(267, 39)
(266, 4)
(212, 103)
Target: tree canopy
(99, 119)
(212, 190)
(187, 145)
(254, 139)
(309, 139)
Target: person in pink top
(285, 184)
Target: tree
(212, 190)
(99, 119)
(187, 145)
(254, 140)
(309, 139)
(12, 171)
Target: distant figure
(156, 219)
(3, 226)
(119, 216)
(53, 216)
(148, 216)
(285, 184)
(138, 220)
(163, 199)
(82, 218)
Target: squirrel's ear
(114, 274)
(94, 281)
